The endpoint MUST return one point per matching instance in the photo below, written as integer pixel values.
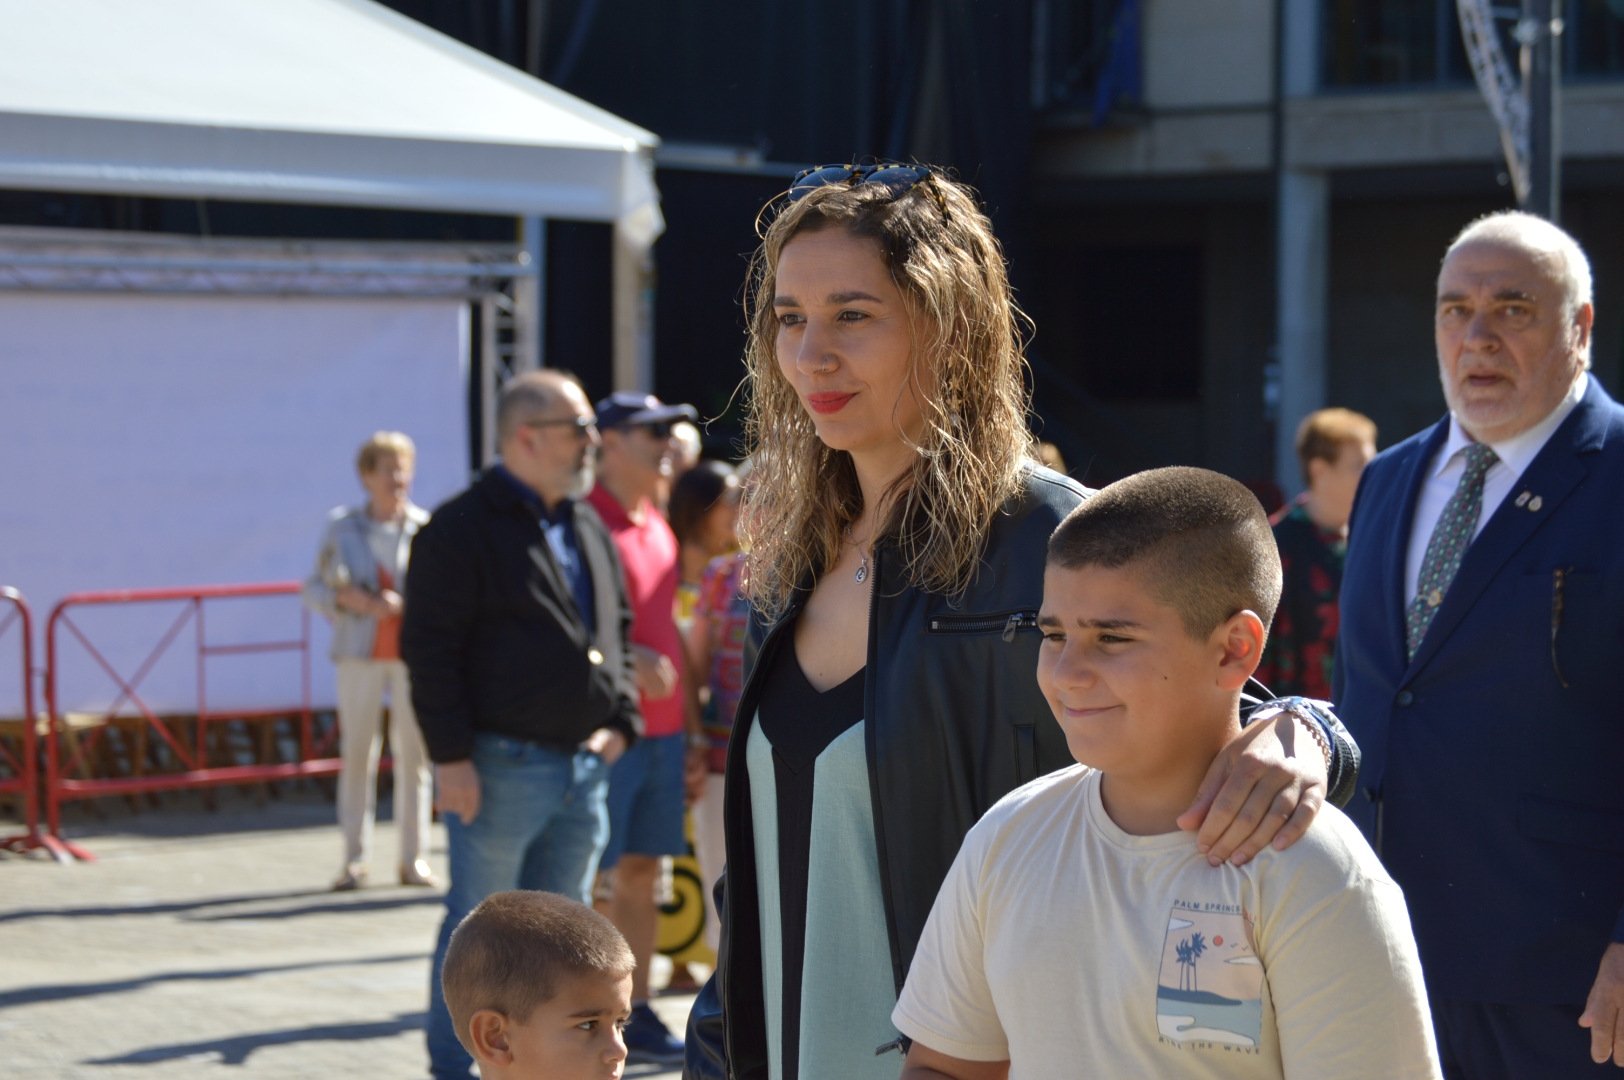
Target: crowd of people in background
(673, 580)
(584, 651)
(713, 614)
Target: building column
(633, 367)
(491, 379)
(530, 298)
(1303, 250)
(633, 278)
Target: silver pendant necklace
(862, 567)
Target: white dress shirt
(1445, 472)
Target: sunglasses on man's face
(583, 425)
(898, 180)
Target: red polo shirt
(649, 554)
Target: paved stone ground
(204, 944)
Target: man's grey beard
(585, 477)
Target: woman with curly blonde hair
(896, 525)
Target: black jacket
(492, 635)
(955, 722)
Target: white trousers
(361, 685)
(711, 851)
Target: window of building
(1393, 43)
(1594, 43)
(1418, 42)
(1076, 43)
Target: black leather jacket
(955, 722)
(493, 637)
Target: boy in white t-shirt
(1080, 933)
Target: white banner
(150, 441)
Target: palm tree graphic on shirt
(1189, 953)
(1225, 1007)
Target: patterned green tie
(1450, 539)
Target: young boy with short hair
(539, 988)
(1079, 931)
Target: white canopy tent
(310, 101)
(194, 427)
(333, 102)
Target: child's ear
(488, 1031)
(1241, 637)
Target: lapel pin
(1535, 503)
(1522, 500)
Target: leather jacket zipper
(1008, 623)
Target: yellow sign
(681, 933)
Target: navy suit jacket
(1493, 778)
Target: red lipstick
(827, 402)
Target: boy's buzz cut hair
(516, 950)
(1201, 539)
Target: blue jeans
(542, 824)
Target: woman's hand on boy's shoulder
(1264, 787)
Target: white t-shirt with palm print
(1069, 947)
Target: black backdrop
(944, 81)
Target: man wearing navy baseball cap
(633, 408)
(646, 786)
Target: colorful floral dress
(728, 613)
(1302, 643)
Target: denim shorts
(646, 800)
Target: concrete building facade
(1279, 194)
(1220, 214)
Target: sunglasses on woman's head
(896, 179)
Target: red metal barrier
(196, 772)
(25, 769)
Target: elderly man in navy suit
(1481, 666)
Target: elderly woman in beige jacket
(358, 581)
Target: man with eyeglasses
(516, 634)
(647, 786)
